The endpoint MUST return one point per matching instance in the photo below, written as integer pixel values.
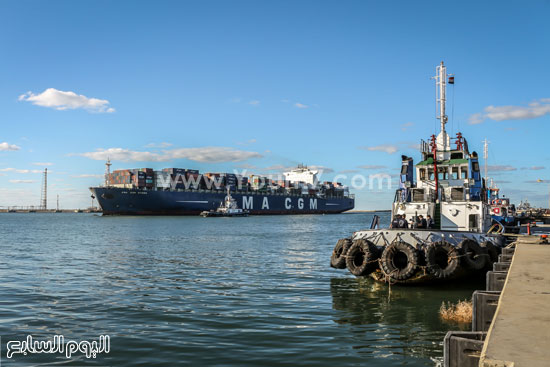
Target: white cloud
(5, 146)
(321, 169)
(300, 105)
(349, 171)
(212, 154)
(61, 100)
(372, 166)
(533, 168)
(387, 148)
(502, 113)
(246, 166)
(9, 169)
(249, 141)
(204, 154)
(277, 167)
(499, 168)
(22, 181)
(43, 164)
(406, 125)
(476, 118)
(125, 155)
(254, 102)
(159, 145)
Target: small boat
(227, 208)
(501, 209)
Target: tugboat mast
(441, 85)
(485, 156)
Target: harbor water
(209, 291)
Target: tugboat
(444, 217)
(227, 208)
(502, 210)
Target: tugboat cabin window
(422, 174)
(464, 173)
(475, 166)
(457, 194)
(455, 173)
(443, 174)
(418, 195)
(431, 174)
(473, 219)
(457, 155)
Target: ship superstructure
(448, 184)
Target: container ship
(178, 191)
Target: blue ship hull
(119, 201)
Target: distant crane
(44, 192)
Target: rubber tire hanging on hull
(492, 250)
(362, 257)
(393, 263)
(442, 259)
(338, 258)
(474, 257)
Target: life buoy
(338, 258)
(362, 257)
(474, 257)
(442, 259)
(399, 261)
(496, 211)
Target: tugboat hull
(412, 256)
(206, 214)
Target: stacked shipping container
(180, 178)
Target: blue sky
(261, 85)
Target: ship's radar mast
(441, 85)
(486, 155)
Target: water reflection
(396, 322)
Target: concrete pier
(519, 334)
